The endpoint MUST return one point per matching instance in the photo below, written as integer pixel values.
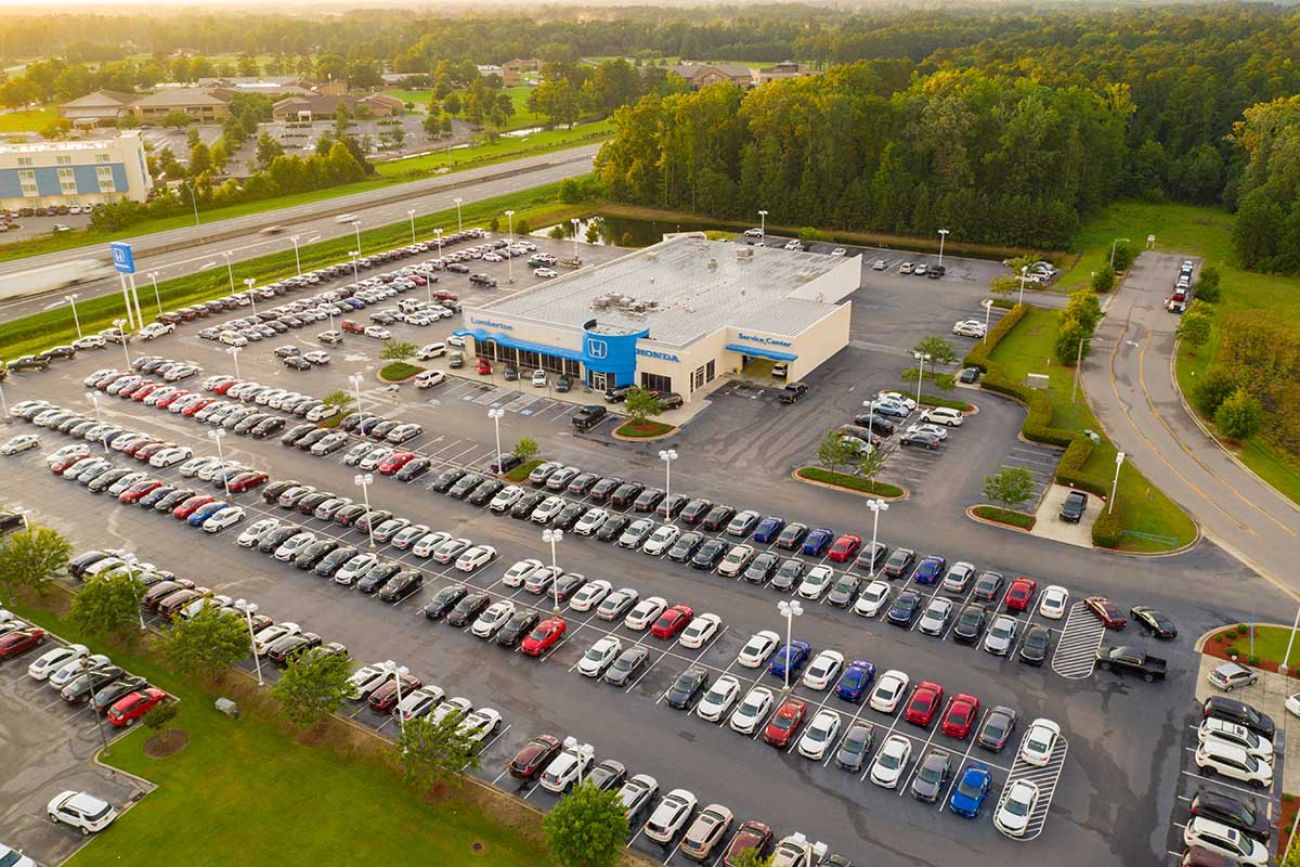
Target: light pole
(438, 234)
(355, 379)
(790, 609)
(1113, 245)
(153, 275)
(510, 257)
(195, 202)
(398, 672)
(921, 359)
(871, 414)
(1114, 486)
(1024, 272)
(4, 405)
(668, 456)
(411, 213)
(362, 481)
(554, 537)
(460, 227)
(762, 225)
(582, 750)
(249, 281)
(249, 609)
(988, 308)
(72, 300)
(1078, 362)
(296, 260)
(428, 282)
(217, 436)
(230, 271)
(575, 223)
(121, 332)
(234, 356)
(943, 236)
(354, 254)
(356, 230)
(131, 561)
(876, 507)
(496, 415)
(93, 397)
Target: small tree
(1194, 327)
(869, 463)
(641, 406)
(434, 752)
(523, 227)
(1010, 486)
(29, 558)
(1214, 388)
(177, 120)
(109, 606)
(1207, 287)
(1085, 306)
(312, 687)
(833, 452)
(336, 398)
(939, 350)
(398, 350)
(1071, 338)
(945, 381)
(1103, 281)
(1004, 285)
(209, 642)
(1124, 256)
(161, 715)
(557, 232)
(754, 858)
(1239, 417)
(588, 828)
(526, 449)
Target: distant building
(203, 106)
(512, 71)
(270, 86)
(487, 69)
(318, 106)
(99, 106)
(783, 70)
(699, 75)
(42, 174)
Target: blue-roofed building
(41, 174)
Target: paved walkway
(1129, 382)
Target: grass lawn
(1153, 522)
(852, 483)
(503, 148)
(1270, 644)
(520, 473)
(28, 121)
(646, 429)
(420, 98)
(1206, 232)
(398, 370)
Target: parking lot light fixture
(363, 481)
(356, 380)
(121, 330)
(554, 537)
(988, 308)
(921, 359)
(790, 609)
(1114, 486)
(72, 301)
(249, 609)
(668, 456)
(876, 507)
(217, 436)
(762, 224)
(354, 254)
(297, 260)
(1078, 363)
(460, 227)
(398, 672)
(575, 222)
(437, 233)
(93, 397)
(943, 236)
(428, 281)
(23, 513)
(234, 356)
(4, 405)
(153, 275)
(248, 282)
(496, 415)
(230, 271)
(583, 751)
(871, 414)
(411, 213)
(356, 230)
(1024, 273)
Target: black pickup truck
(1132, 660)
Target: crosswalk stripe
(1076, 651)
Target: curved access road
(1130, 383)
(177, 252)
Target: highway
(181, 251)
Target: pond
(626, 231)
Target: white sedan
(718, 699)
(1293, 704)
(520, 572)
(256, 531)
(752, 711)
(479, 725)
(599, 656)
(546, 273)
(449, 550)
(264, 638)
(824, 668)
(934, 430)
(479, 555)
(52, 660)
(873, 599)
(505, 498)
(1016, 807)
(377, 332)
(223, 519)
(589, 595)
(547, 509)
(889, 691)
(1054, 602)
(661, 540)
(969, 328)
(891, 761)
(700, 631)
(816, 582)
(647, 611)
(759, 647)
(591, 521)
(897, 397)
(20, 443)
(491, 620)
(1039, 741)
(820, 734)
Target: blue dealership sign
(123, 257)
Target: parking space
(1040, 461)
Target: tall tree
(29, 558)
(109, 606)
(434, 752)
(312, 687)
(207, 643)
(587, 828)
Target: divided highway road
(182, 251)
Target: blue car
(202, 513)
(971, 790)
(793, 656)
(768, 529)
(930, 569)
(149, 500)
(816, 542)
(856, 680)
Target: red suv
(352, 327)
(784, 724)
(845, 548)
(127, 710)
(963, 710)
(925, 703)
(1021, 593)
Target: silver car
(1001, 635)
(935, 619)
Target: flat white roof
(78, 145)
(686, 287)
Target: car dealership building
(674, 317)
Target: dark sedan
(518, 626)
(83, 686)
(969, 625)
(467, 609)
(686, 687)
(334, 560)
(709, 555)
(402, 585)
(443, 601)
(311, 556)
(904, 609)
(625, 668)
(534, 756)
(1154, 622)
(997, 729)
(685, 547)
(106, 695)
(1036, 644)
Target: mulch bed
(166, 743)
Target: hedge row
(979, 356)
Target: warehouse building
(42, 174)
(675, 317)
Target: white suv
(1216, 757)
(82, 811)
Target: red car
(1107, 612)
(445, 295)
(150, 449)
(16, 643)
(963, 710)
(384, 699)
(138, 490)
(785, 723)
(190, 506)
(171, 398)
(672, 621)
(395, 462)
(925, 703)
(197, 405)
(134, 448)
(128, 709)
(543, 637)
(225, 386)
(845, 548)
(352, 327)
(1021, 593)
(67, 462)
(247, 481)
(484, 367)
(143, 391)
(535, 755)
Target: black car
(694, 511)
(988, 586)
(310, 556)
(442, 484)
(312, 437)
(671, 506)
(295, 433)
(685, 547)
(1243, 815)
(402, 585)
(1076, 503)
(106, 695)
(612, 528)
(718, 517)
(899, 563)
(582, 483)
(149, 500)
(932, 772)
(760, 569)
(1154, 622)
(569, 516)
(484, 492)
(266, 428)
(969, 625)
(464, 485)
(709, 555)
(443, 601)
(1036, 644)
(271, 493)
(334, 560)
(626, 494)
(619, 394)
(78, 565)
(371, 519)
(853, 750)
(519, 625)
(647, 500)
(297, 362)
(348, 515)
(377, 577)
(1224, 708)
(844, 591)
(686, 687)
(566, 585)
(83, 686)
(276, 538)
(600, 491)
(467, 609)
(525, 505)
(789, 575)
(904, 609)
(920, 439)
(413, 470)
(607, 776)
(307, 505)
(791, 536)
(625, 668)
(996, 729)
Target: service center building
(674, 317)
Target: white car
(20, 443)
(819, 734)
(1217, 757)
(407, 537)
(935, 617)
(700, 630)
(351, 571)
(889, 690)
(430, 378)
(589, 595)
(661, 540)
(1225, 840)
(718, 699)
(450, 550)
(944, 415)
(14, 857)
(254, 533)
(52, 660)
(517, 574)
(873, 599)
(1001, 635)
(66, 452)
(491, 620)
(1016, 807)
(375, 457)
(563, 770)
(294, 544)
(969, 328)
(756, 651)
(90, 341)
(432, 350)
(546, 273)
(479, 725)
(897, 397)
(645, 612)
(82, 811)
(839, 251)
(933, 430)
(452, 707)
(1054, 602)
(191, 468)
(824, 668)
(547, 509)
(891, 761)
(1293, 704)
(479, 555)
(66, 673)
(430, 543)
(599, 656)
(419, 702)
(505, 498)
(264, 638)
(591, 521)
(670, 816)
(223, 519)
(879, 265)
(539, 378)
(317, 357)
(377, 332)
(816, 582)
(752, 711)
(1038, 742)
(1212, 728)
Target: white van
(432, 350)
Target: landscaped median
(998, 515)
(399, 371)
(856, 484)
(520, 473)
(644, 430)
(1265, 648)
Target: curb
(798, 478)
(970, 513)
(626, 439)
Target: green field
(1206, 232)
(28, 121)
(420, 98)
(502, 149)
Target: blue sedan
(930, 569)
(202, 513)
(816, 542)
(971, 790)
(856, 680)
(792, 657)
(768, 529)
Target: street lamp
(398, 672)
(1078, 362)
(121, 332)
(356, 230)
(510, 257)
(93, 397)
(1114, 486)
(460, 227)
(668, 456)
(762, 224)
(153, 275)
(1113, 245)
(249, 609)
(790, 609)
(575, 222)
(876, 507)
(296, 259)
(1024, 272)
(921, 359)
(943, 236)
(871, 414)
(496, 415)
(72, 300)
(554, 537)
(4, 405)
(362, 481)
(438, 234)
(354, 254)
(584, 752)
(230, 271)
(249, 281)
(234, 355)
(411, 213)
(356, 379)
(217, 436)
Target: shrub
(979, 355)
(1240, 416)
(1103, 281)
(398, 370)
(1252, 660)
(1214, 388)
